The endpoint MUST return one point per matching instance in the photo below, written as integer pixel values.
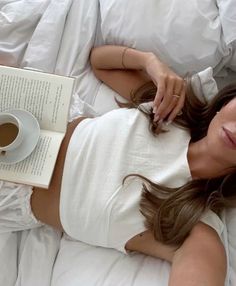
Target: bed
(56, 36)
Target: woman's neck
(201, 164)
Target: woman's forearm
(136, 68)
(119, 57)
(200, 261)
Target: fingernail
(168, 122)
(156, 118)
(154, 109)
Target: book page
(46, 96)
(37, 169)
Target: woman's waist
(59, 166)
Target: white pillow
(230, 220)
(227, 12)
(232, 57)
(185, 34)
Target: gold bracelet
(123, 56)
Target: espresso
(8, 133)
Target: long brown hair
(171, 213)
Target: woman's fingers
(171, 106)
(179, 84)
(177, 109)
(166, 101)
(160, 93)
(168, 84)
(170, 100)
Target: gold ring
(177, 96)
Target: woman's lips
(229, 138)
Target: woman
(88, 200)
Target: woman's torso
(95, 207)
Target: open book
(47, 97)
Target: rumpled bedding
(56, 36)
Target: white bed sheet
(106, 267)
(56, 36)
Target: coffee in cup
(11, 132)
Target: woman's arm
(125, 70)
(118, 57)
(107, 65)
(200, 261)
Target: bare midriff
(45, 204)
(59, 166)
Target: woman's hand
(170, 96)
(109, 61)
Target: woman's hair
(171, 213)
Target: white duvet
(56, 36)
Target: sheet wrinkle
(12, 12)
(43, 48)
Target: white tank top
(95, 207)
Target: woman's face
(221, 136)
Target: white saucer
(31, 137)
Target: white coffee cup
(11, 131)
